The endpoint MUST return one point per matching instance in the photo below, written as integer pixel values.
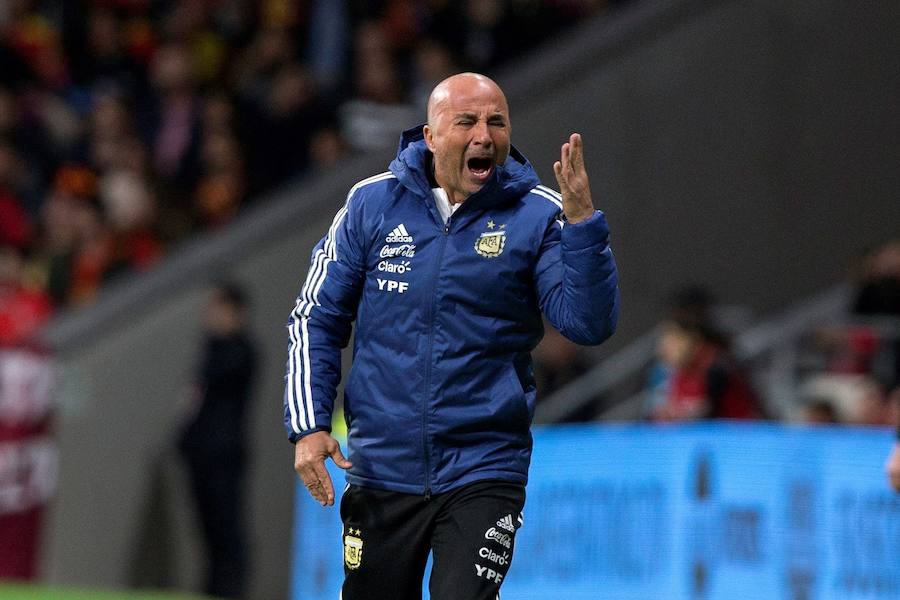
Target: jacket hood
(512, 179)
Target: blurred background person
(820, 411)
(706, 381)
(893, 463)
(27, 452)
(878, 290)
(23, 308)
(213, 440)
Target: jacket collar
(510, 180)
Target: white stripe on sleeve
(300, 398)
(552, 198)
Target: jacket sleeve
(577, 280)
(320, 324)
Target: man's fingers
(576, 152)
(573, 180)
(310, 455)
(557, 170)
(314, 485)
(317, 482)
(326, 488)
(317, 490)
(338, 457)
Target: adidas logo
(506, 523)
(399, 234)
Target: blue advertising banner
(708, 511)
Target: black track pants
(470, 530)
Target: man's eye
(464, 122)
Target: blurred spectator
(283, 119)
(255, 64)
(691, 302)
(820, 411)
(183, 112)
(76, 248)
(130, 209)
(27, 453)
(371, 120)
(879, 286)
(109, 129)
(22, 310)
(432, 63)
(15, 225)
(329, 34)
(488, 33)
(855, 399)
(30, 156)
(93, 251)
(213, 440)
(872, 406)
(28, 456)
(326, 148)
(878, 295)
(893, 462)
(221, 187)
(172, 122)
(103, 58)
(870, 343)
(706, 380)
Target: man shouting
(445, 262)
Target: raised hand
(573, 181)
(309, 462)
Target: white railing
(771, 345)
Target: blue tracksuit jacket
(441, 391)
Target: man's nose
(481, 134)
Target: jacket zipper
(446, 232)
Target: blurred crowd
(846, 371)
(852, 373)
(127, 125)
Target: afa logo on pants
(353, 547)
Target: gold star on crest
(490, 224)
(503, 226)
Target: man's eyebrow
(471, 115)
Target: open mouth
(480, 167)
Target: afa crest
(353, 547)
(490, 243)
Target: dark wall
(751, 146)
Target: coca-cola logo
(501, 538)
(407, 250)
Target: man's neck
(434, 182)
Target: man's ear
(429, 137)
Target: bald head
(462, 85)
